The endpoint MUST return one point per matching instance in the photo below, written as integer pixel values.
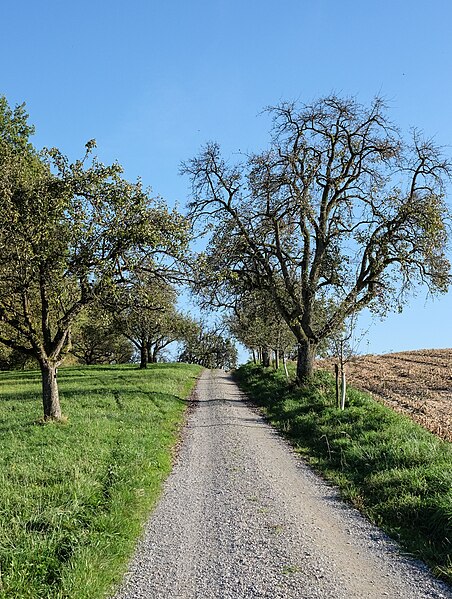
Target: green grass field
(389, 467)
(74, 496)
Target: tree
(208, 348)
(337, 214)
(343, 347)
(97, 340)
(171, 327)
(11, 359)
(258, 325)
(144, 311)
(68, 232)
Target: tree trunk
(143, 356)
(50, 395)
(254, 356)
(336, 373)
(285, 365)
(305, 361)
(343, 379)
(343, 389)
(155, 354)
(265, 357)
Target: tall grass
(394, 471)
(73, 497)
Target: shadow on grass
(102, 402)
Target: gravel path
(242, 517)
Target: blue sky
(153, 81)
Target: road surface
(242, 517)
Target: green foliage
(393, 470)
(257, 323)
(208, 348)
(74, 496)
(69, 231)
(96, 339)
(11, 359)
(337, 214)
(144, 311)
(14, 128)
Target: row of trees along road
(69, 233)
(256, 324)
(209, 348)
(340, 212)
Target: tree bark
(143, 356)
(284, 359)
(155, 354)
(265, 357)
(305, 361)
(50, 395)
(343, 378)
(336, 372)
(276, 359)
(343, 389)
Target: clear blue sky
(152, 81)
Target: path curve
(242, 517)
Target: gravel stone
(243, 517)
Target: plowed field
(417, 383)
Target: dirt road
(242, 517)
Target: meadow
(74, 495)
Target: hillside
(418, 383)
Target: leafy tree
(208, 348)
(97, 340)
(11, 359)
(68, 232)
(171, 327)
(338, 212)
(258, 325)
(145, 313)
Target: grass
(395, 472)
(74, 496)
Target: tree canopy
(144, 311)
(68, 232)
(339, 213)
(207, 347)
(257, 324)
(97, 340)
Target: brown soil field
(417, 383)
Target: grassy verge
(73, 496)
(398, 474)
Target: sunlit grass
(393, 470)
(74, 496)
